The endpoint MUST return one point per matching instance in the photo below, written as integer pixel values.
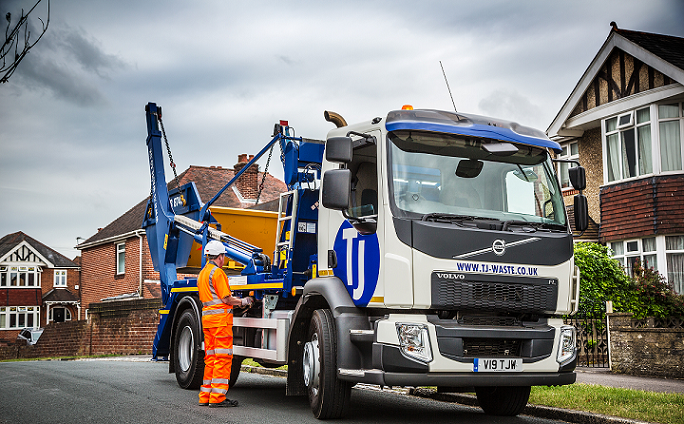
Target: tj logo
(359, 262)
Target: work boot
(203, 403)
(226, 403)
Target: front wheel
(328, 395)
(503, 400)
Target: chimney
(248, 183)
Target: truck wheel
(328, 395)
(507, 401)
(235, 370)
(188, 356)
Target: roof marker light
(407, 107)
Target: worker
(217, 323)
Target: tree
(18, 41)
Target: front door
(58, 315)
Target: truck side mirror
(578, 177)
(581, 213)
(339, 149)
(336, 188)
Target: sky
(72, 123)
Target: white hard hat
(214, 248)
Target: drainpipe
(140, 264)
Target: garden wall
(647, 347)
(119, 328)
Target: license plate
(497, 365)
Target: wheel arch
(324, 293)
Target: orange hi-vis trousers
(218, 360)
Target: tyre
(235, 369)
(507, 401)
(188, 355)
(328, 395)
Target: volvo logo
(499, 247)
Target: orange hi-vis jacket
(213, 286)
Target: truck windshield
(447, 175)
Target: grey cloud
(511, 105)
(69, 64)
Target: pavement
(597, 376)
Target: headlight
(566, 346)
(414, 341)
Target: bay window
(665, 254)
(669, 125)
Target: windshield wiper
(531, 227)
(462, 220)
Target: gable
(621, 75)
(630, 69)
(24, 253)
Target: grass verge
(665, 408)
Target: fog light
(414, 341)
(566, 346)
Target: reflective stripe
(224, 351)
(217, 311)
(206, 382)
(212, 302)
(220, 381)
(211, 286)
(209, 352)
(205, 389)
(222, 391)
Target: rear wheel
(507, 401)
(187, 351)
(328, 395)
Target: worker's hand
(247, 301)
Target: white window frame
(120, 258)
(658, 121)
(21, 274)
(21, 314)
(60, 278)
(562, 167)
(679, 288)
(659, 254)
(618, 131)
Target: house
(38, 286)
(116, 262)
(624, 123)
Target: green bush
(602, 278)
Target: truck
(420, 248)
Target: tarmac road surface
(129, 391)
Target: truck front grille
(494, 293)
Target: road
(120, 391)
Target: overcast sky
(72, 123)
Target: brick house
(116, 262)
(624, 122)
(38, 286)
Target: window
(628, 145)
(629, 252)
(13, 317)
(674, 254)
(669, 125)
(121, 258)
(571, 152)
(60, 278)
(663, 253)
(20, 276)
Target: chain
(263, 178)
(171, 162)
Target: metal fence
(592, 338)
